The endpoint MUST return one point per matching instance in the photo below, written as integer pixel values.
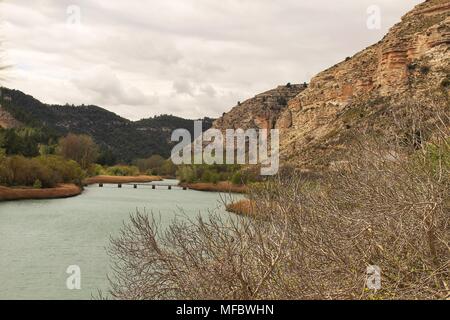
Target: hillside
(261, 111)
(126, 139)
(411, 64)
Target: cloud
(191, 58)
(183, 87)
(102, 84)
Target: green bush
(122, 170)
(48, 170)
(186, 174)
(95, 170)
(216, 173)
(37, 184)
(237, 178)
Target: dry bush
(389, 207)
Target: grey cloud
(102, 84)
(191, 58)
(183, 87)
(209, 91)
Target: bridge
(136, 185)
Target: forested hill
(126, 139)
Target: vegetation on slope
(126, 140)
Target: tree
(168, 169)
(107, 157)
(80, 148)
(152, 163)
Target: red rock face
(399, 50)
(438, 8)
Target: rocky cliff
(410, 63)
(262, 111)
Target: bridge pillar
(184, 188)
(135, 186)
(100, 185)
(153, 187)
(170, 188)
(119, 185)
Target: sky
(189, 58)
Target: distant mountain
(126, 139)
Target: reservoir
(40, 239)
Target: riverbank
(121, 179)
(243, 207)
(61, 191)
(223, 186)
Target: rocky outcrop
(7, 121)
(262, 111)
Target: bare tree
(389, 207)
(80, 148)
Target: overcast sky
(190, 58)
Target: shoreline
(71, 190)
(66, 190)
(223, 186)
(61, 191)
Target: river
(39, 240)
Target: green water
(40, 239)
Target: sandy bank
(121, 179)
(223, 186)
(243, 207)
(61, 191)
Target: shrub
(37, 184)
(186, 174)
(48, 170)
(95, 170)
(237, 178)
(80, 148)
(206, 176)
(122, 170)
(154, 162)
